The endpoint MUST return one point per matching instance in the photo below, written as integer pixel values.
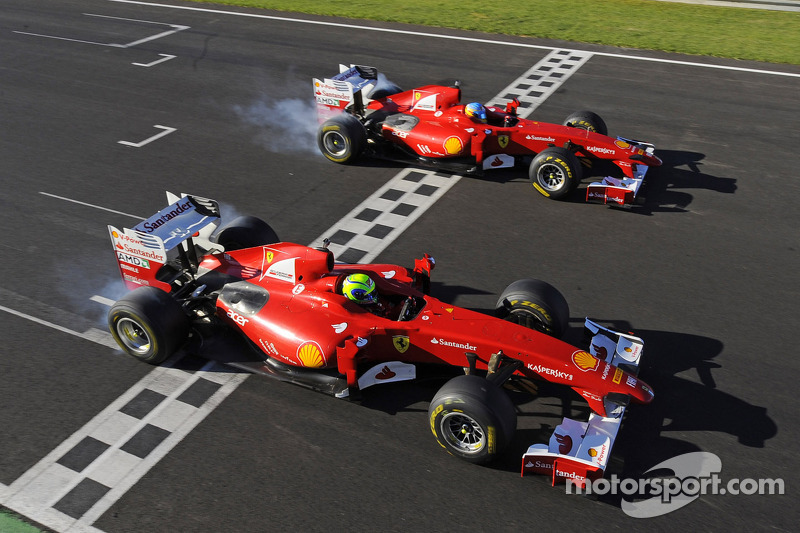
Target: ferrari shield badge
(401, 343)
(502, 140)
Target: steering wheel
(406, 309)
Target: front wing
(579, 450)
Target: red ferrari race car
(361, 113)
(341, 328)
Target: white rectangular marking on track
(167, 131)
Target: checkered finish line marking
(542, 80)
(77, 482)
(70, 488)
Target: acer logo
(236, 317)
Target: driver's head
(476, 112)
(360, 288)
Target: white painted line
(94, 335)
(102, 300)
(90, 205)
(164, 57)
(175, 29)
(167, 131)
(454, 37)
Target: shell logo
(453, 145)
(310, 354)
(115, 234)
(622, 144)
(585, 361)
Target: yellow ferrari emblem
(270, 257)
(502, 140)
(401, 343)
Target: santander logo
(385, 373)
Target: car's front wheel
(534, 304)
(472, 418)
(555, 172)
(148, 324)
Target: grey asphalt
(705, 271)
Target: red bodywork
(444, 131)
(287, 302)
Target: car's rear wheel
(245, 232)
(342, 138)
(534, 304)
(472, 418)
(555, 172)
(587, 120)
(148, 324)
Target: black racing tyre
(534, 304)
(342, 138)
(587, 120)
(472, 418)
(148, 324)
(245, 232)
(555, 172)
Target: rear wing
(350, 87)
(579, 451)
(143, 251)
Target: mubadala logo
(451, 344)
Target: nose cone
(644, 393)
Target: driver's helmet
(476, 112)
(360, 288)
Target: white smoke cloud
(282, 125)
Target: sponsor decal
(448, 309)
(133, 260)
(298, 289)
(543, 370)
(385, 373)
(622, 144)
(571, 475)
(564, 443)
(496, 162)
(451, 344)
(453, 145)
(236, 317)
(601, 150)
(617, 375)
(338, 328)
(401, 343)
(591, 396)
(539, 464)
(585, 361)
(132, 279)
(601, 351)
(268, 347)
(605, 371)
(310, 354)
(502, 140)
(137, 244)
(417, 95)
(361, 342)
(129, 267)
(389, 274)
(282, 270)
(401, 134)
(598, 454)
(543, 139)
(155, 222)
(269, 257)
(631, 382)
(325, 100)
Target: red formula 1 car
(191, 280)
(362, 113)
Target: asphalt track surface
(705, 271)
